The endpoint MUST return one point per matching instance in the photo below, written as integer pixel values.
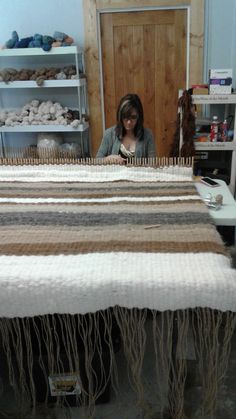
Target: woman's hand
(115, 159)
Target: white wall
(28, 17)
(46, 16)
(220, 36)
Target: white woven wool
(37, 285)
(99, 200)
(85, 173)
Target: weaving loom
(84, 246)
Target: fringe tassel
(170, 331)
(132, 327)
(212, 337)
(85, 345)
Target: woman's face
(130, 120)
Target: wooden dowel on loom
(27, 157)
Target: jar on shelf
(214, 129)
(224, 131)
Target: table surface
(226, 215)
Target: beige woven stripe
(170, 206)
(69, 235)
(86, 194)
(113, 246)
(123, 227)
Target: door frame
(92, 11)
(137, 9)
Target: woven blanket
(85, 247)
(78, 246)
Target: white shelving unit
(45, 128)
(25, 52)
(218, 146)
(70, 55)
(47, 83)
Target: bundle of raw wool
(52, 144)
(39, 75)
(49, 142)
(38, 113)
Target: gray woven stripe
(92, 219)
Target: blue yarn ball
(38, 37)
(24, 42)
(12, 42)
(59, 36)
(15, 36)
(37, 43)
(46, 47)
(47, 39)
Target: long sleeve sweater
(111, 144)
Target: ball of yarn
(48, 144)
(46, 47)
(70, 150)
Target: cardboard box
(200, 89)
(220, 81)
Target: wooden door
(144, 52)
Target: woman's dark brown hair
(127, 104)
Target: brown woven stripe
(19, 249)
(140, 233)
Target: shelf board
(203, 121)
(214, 99)
(24, 52)
(31, 84)
(208, 146)
(45, 128)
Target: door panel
(145, 53)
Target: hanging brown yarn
(188, 128)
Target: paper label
(64, 384)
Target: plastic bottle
(224, 130)
(214, 129)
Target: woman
(128, 138)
